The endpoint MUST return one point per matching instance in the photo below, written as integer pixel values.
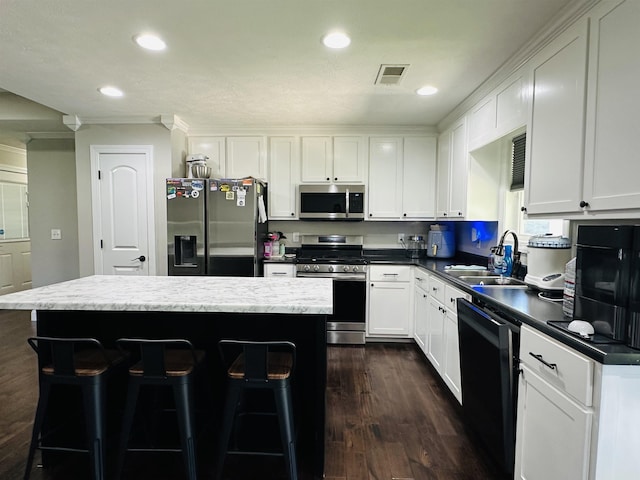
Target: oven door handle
(335, 276)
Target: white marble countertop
(180, 294)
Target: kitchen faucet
(516, 253)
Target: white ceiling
(260, 62)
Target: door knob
(142, 258)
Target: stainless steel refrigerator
(216, 226)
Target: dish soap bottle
(507, 266)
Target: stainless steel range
(339, 257)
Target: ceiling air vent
(390, 74)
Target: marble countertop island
(311, 296)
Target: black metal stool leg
(182, 393)
(127, 421)
(38, 422)
(228, 416)
(287, 434)
(93, 396)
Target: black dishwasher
(489, 350)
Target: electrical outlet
(56, 234)
(400, 237)
(296, 237)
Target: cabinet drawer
(420, 278)
(389, 273)
(436, 288)
(564, 368)
(279, 270)
(451, 294)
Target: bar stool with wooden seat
(163, 362)
(259, 365)
(74, 361)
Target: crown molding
(72, 121)
(293, 130)
(173, 122)
(9, 149)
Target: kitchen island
(203, 310)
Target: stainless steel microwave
(332, 202)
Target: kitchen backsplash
(385, 234)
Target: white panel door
(122, 226)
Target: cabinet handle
(452, 300)
(434, 289)
(372, 284)
(424, 296)
(389, 274)
(278, 273)
(444, 214)
(328, 179)
(293, 214)
(418, 279)
(584, 204)
(335, 179)
(371, 214)
(404, 214)
(552, 366)
(459, 214)
(523, 209)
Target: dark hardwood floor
(389, 417)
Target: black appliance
(634, 297)
(603, 276)
(340, 258)
(332, 202)
(489, 362)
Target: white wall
(160, 138)
(52, 204)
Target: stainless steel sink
(470, 273)
(492, 281)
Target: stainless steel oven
(339, 257)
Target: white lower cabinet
(279, 270)
(389, 301)
(553, 433)
(436, 326)
(451, 365)
(420, 308)
(435, 333)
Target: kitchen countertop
(306, 296)
(522, 304)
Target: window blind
(517, 162)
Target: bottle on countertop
(507, 267)
(569, 292)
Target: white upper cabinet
(246, 157)
(402, 177)
(555, 142)
(349, 160)
(499, 113)
(385, 178)
(212, 147)
(333, 160)
(284, 161)
(612, 161)
(453, 170)
(419, 178)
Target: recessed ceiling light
(427, 90)
(336, 40)
(150, 42)
(111, 91)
